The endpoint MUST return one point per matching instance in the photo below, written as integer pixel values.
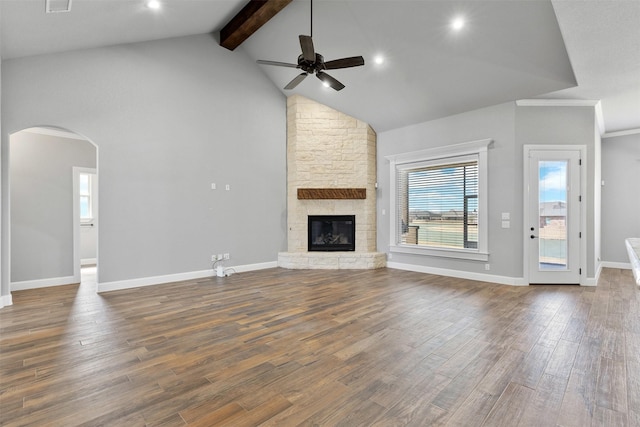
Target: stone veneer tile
(328, 149)
(332, 260)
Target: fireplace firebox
(332, 232)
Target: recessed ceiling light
(378, 59)
(458, 23)
(153, 4)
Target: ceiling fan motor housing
(311, 67)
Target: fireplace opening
(332, 232)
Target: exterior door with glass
(553, 213)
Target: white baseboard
(6, 300)
(169, 278)
(153, 280)
(254, 267)
(44, 283)
(593, 281)
(620, 265)
(503, 280)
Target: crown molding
(557, 102)
(621, 133)
(596, 104)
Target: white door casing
(553, 214)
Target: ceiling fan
(311, 62)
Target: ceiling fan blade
(279, 64)
(354, 61)
(296, 81)
(306, 44)
(327, 79)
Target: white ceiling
(508, 50)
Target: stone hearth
(329, 150)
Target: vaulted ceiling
(507, 50)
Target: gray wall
(505, 183)
(4, 278)
(41, 205)
(568, 126)
(510, 127)
(620, 195)
(169, 118)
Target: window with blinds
(437, 203)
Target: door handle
(533, 237)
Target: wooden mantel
(331, 193)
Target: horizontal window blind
(438, 204)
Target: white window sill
(445, 253)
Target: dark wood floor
(322, 348)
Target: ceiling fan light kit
(311, 62)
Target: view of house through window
(85, 197)
(552, 187)
(438, 204)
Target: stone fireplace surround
(331, 170)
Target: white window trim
(412, 159)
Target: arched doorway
(51, 172)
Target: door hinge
(579, 162)
(579, 198)
(579, 272)
(580, 235)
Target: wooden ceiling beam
(254, 15)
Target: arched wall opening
(52, 171)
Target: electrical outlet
(487, 267)
(226, 256)
(214, 258)
(220, 257)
